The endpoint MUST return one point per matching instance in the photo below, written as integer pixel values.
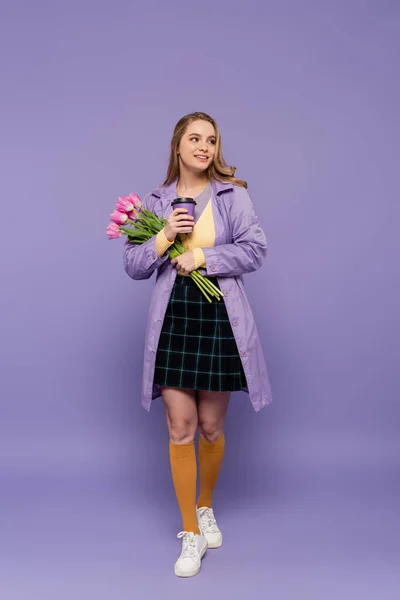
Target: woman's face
(197, 146)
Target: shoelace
(208, 521)
(188, 544)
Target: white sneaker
(208, 526)
(194, 547)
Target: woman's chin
(199, 168)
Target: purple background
(306, 95)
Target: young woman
(196, 352)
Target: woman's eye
(195, 139)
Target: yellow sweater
(202, 236)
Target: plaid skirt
(197, 349)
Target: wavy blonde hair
(218, 169)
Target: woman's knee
(211, 430)
(182, 431)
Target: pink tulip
(124, 204)
(113, 231)
(128, 203)
(135, 199)
(119, 217)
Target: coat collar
(168, 192)
(219, 186)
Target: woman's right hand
(178, 222)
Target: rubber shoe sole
(213, 544)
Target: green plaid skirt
(197, 349)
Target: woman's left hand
(184, 263)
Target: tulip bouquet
(131, 219)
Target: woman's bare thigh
(181, 413)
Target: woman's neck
(190, 184)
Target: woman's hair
(218, 169)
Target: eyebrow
(199, 135)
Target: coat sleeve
(248, 249)
(141, 260)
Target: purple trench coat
(240, 247)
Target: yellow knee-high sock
(210, 459)
(184, 474)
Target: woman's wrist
(199, 258)
(169, 234)
(162, 242)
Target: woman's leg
(211, 408)
(181, 413)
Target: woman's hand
(178, 222)
(184, 263)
